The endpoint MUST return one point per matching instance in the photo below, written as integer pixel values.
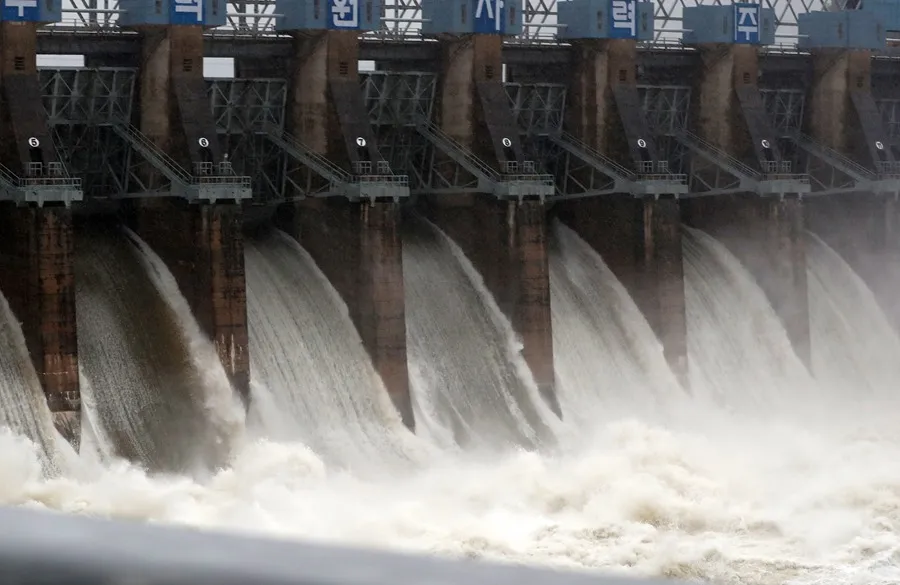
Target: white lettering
(190, 7)
(494, 10)
(623, 16)
(747, 23)
(21, 5)
(345, 13)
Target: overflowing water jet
(154, 390)
(471, 377)
(309, 358)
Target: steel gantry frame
(243, 109)
(89, 114)
(710, 170)
(830, 172)
(402, 19)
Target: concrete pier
(506, 241)
(356, 244)
(36, 244)
(201, 243)
(766, 233)
(862, 227)
(37, 278)
(638, 238)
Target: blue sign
(21, 10)
(623, 19)
(186, 12)
(746, 24)
(344, 14)
(489, 17)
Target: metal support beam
(49, 184)
(512, 183)
(715, 172)
(362, 184)
(833, 173)
(210, 182)
(585, 172)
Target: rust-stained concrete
(766, 234)
(202, 244)
(204, 248)
(862, 227)
(37, 278)
(36, 245)
(639, 239)
(356, 244)
(505, 240)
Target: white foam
(716, 493)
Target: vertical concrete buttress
(862, 227)
(765, 233)
(639, 239)
(37, 244)
(356, 244)
(506, 241)
(37, 278)
(202, 244)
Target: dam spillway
(640, 290)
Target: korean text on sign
(345, 14)
(624, 19)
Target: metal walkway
(719, 173)
(513, 183)
(622, 180)
(48, 183)
(209, 183)
(362, 184)
(836, 173)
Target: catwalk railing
(44, 548)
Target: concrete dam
(598, 284)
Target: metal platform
(48, 183)
(208, 183)
(715, 172)
(583, 172)
(513, 182)
(363, 183)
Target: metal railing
(809, 143)
(449, 144)
(723, 157)
(597, 155)
(166, 163)
(316, 161)
(16, 182)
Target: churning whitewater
(762, 473)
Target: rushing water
(757, 474)
(149, 372)
(316, 382)
(469, 377)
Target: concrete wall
(862, 227)
(201, 244)
(505, 240)
(640, 240)
(36, 245)
(204, 248)
(765, 234)
(507, 243)
(37, 278)
(356, 244)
